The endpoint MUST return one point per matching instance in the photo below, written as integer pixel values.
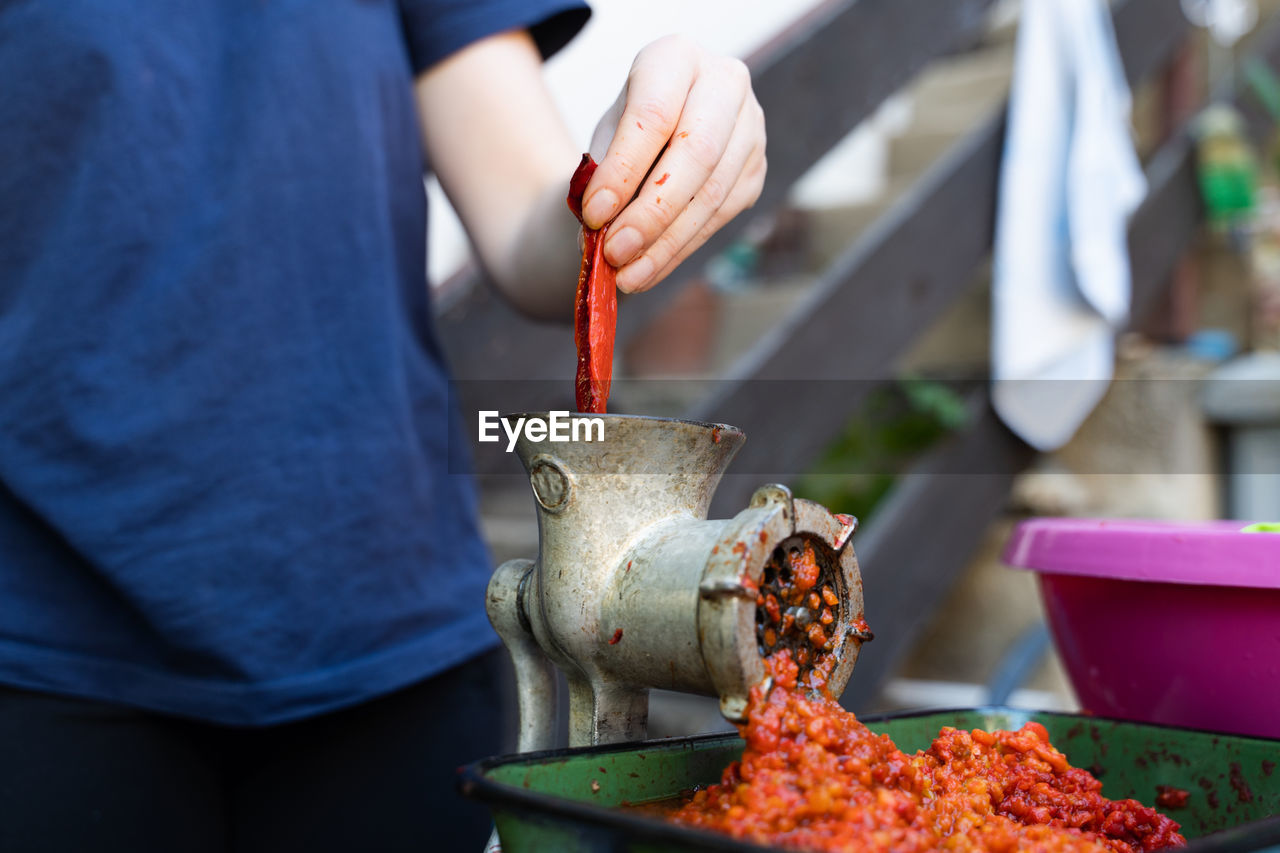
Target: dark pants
(85, 776)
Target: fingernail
(622, 248)
(635, 276)
(599, 208)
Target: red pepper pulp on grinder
(595, 310)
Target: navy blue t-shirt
(225, 438)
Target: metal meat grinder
(634, 588)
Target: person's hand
(686, 131)
(685, 154)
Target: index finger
(657, 87)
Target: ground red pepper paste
(794, 608)
(813, 778)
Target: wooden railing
(817, 80)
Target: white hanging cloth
(1068, 184)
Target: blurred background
(845, 323)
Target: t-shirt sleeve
(436, 28)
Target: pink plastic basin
(1175, 623)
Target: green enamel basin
(566, 800)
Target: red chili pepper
(595, 313)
